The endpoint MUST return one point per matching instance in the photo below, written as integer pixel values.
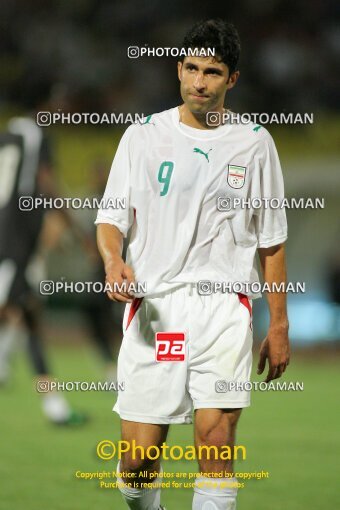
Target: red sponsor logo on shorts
(170, 346)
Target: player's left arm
(275, 347)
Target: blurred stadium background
(72, 56)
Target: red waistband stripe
(133, 309)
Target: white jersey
(172, 178)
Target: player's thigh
(216, 426)
(142, 435)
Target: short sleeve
(115, 205)
(270, 218)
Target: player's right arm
(113, 223)
(110, 245)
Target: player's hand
(275, 348)
(117, 274)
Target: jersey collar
(199, 134)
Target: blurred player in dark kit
(26, 173)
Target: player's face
(204, 83)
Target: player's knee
(211, 445)
(135, 463)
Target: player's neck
(198, 121)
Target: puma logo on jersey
(147, 120)
(205, 154)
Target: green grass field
(294, 436)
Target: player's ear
(233, 79)
(179, 69)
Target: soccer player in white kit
(181, 340)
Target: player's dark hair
(217, 34)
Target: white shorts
(213, 346)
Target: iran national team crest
(236, 176)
